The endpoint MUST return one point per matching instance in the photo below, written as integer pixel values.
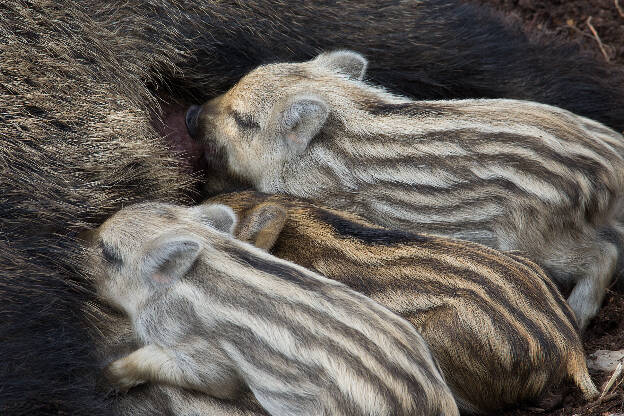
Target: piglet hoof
(122, 375)
(551, 401)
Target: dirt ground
(598, 27)
(574, 20)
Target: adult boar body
(78, 82)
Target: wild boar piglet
(497, 325)
(513, 175)
(220, 316)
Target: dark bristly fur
(425, 49)
(498, 326)
(214, 314)
(75, 78)
(76, 145)
(510, 174)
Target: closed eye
(111, 255)
(244, 121)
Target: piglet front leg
(150, 363)
(210, 372)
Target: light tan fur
(220, 316)
(510, 174)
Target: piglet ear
(345, 62)
(263, 225)
(168, 258)
(218, 216)
(300, 120)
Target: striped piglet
(497, 325)
(509, 174)
(220, 316)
